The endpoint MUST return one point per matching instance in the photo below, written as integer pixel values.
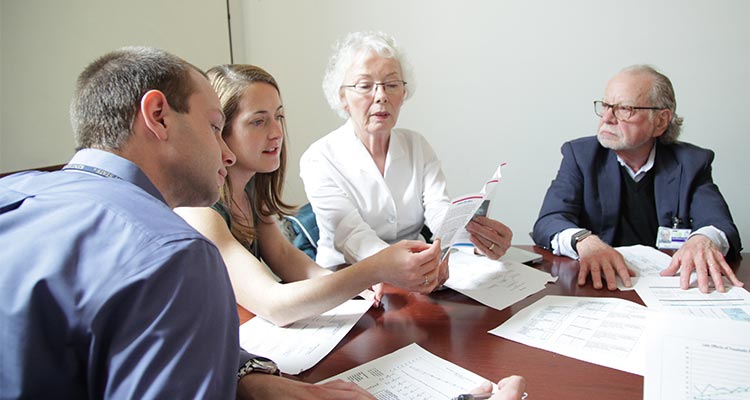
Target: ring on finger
(426, 281)
(492, 246)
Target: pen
(473, 396)
(481, 396)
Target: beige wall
(506, 80)
(44, 44)
(511, 80)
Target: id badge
(671, 238)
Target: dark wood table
(454, 327)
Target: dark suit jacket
(586, 192)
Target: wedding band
(426, 281)
(492, 246)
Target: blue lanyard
(90, 169)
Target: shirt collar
(638, 175)
(116, 165)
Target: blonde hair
(230, 82)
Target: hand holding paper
(466, 223)
(491, 237)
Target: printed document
(663, 293)
(602, 330)
(493, 283)
(411, 373)
(452, 231)
(644, 261)
(301, 345)
(690, 359)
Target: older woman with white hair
(371, 184)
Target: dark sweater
(638, 222)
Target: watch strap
(577, 237)
(260, 365)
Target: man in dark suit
(634, 182)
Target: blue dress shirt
(106, 293)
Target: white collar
(638, 175)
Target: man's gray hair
(662, 95)
(346, 51)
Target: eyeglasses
(621, 112)
(367, 87)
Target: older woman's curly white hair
(346, 51)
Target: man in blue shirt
(104, 291)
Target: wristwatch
(577, 237)
(259, 365)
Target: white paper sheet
(690, 360)
(602, 330)
(644, 261)
(663, 293)
(494, 283)
(411, 373)
(452, 230)
(520, 255)
(303, 344)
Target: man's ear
(663, 117)
(155, 109)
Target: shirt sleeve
(435, 195)
(335, 211)
(171, 331)
(718, 237)
(561, 243)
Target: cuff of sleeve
(561, 243)
(718, 237)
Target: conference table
(454, 327)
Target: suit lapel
(666, 185)
(609, 194)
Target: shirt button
(391, 220)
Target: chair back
(304, 230)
